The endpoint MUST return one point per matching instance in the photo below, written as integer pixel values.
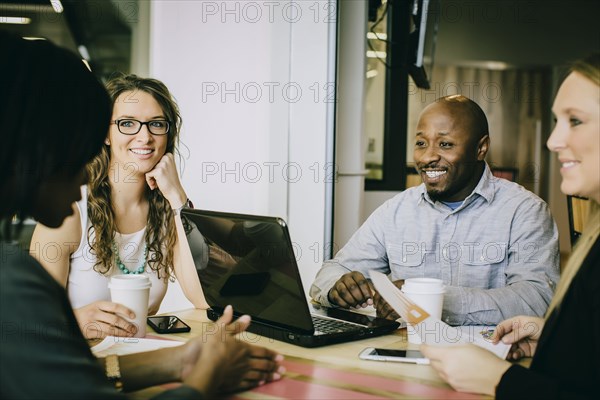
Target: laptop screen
(250, 265)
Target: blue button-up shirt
(497, 253)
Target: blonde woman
(127, 219)
(564, 346)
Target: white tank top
(86, 286)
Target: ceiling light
(496, 65)
(87, 64)
(377, 35)
(57, 6)
(376, 54)
(372, 73)
(84, 52)
(491, 65)
(33, 38)
(15, 20)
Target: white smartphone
(405, 356)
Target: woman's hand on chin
(164, 176)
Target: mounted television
(421, 39)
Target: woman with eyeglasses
(126, 221)
(565, 345)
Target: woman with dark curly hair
(126, 222)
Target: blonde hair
(588, 67)
(160, 232)
(581, 250)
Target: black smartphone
(168, 324)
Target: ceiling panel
(90, 23)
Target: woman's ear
(107, 141)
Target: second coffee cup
(427, 293)
(132, 291)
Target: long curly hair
(160, 227)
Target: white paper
(432, 330)
(121, 346)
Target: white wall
(251, 79)
(350, 137)
(215, 70)
(312, 68)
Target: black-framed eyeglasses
(130, 126)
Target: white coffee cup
(132, 291)
(427, 293)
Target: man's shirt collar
(484, 188)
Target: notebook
(252, 266)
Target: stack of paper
(121, 346)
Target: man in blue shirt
(492, 242)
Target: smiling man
(452, 140)
(492, 242)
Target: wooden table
(335, 371)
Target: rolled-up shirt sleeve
(365, 251)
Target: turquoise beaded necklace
(122, 266)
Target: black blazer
(566, 364)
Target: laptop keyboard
(327, 325)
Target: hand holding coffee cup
(427, 293)
(104, 318)
(132, 291)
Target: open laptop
(252, 266)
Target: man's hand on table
(354, 290)
(351, 290)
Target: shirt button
(482, 258)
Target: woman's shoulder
(19, 270)
(590, 268)
(586, 283)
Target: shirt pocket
(405, 262)
(484, 266)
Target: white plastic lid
(423, 285)
(129, 282)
